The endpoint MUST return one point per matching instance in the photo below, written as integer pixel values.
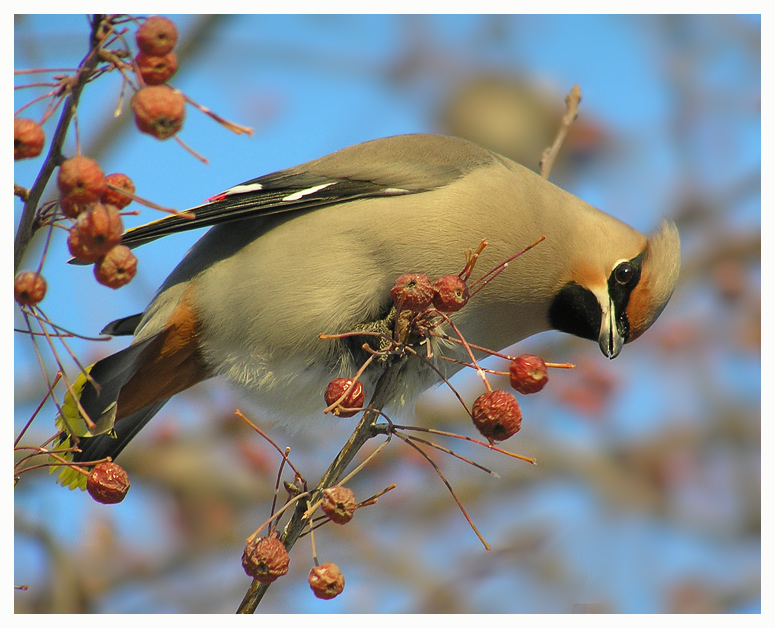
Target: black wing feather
(271, 199)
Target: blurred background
(646, 495)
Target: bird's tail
(88, 418)
(100, 446)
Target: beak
(610, 339)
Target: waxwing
(315, 249)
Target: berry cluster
(266, 558)
(420, 305)
(93, 200)
(159, 109)
(415, 293)
(496, 413)
(87, 196)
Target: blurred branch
(64, 591)
(572, 101)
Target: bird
(315, 249)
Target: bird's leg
(378, 334)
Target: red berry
(497, 415)
(73, 207)
(28, 138)
(265, 559)
(450, 293)
(339, 504)
(108, 483)
(159, 111)
(528, 374)
(116, 197)
(352, 403)
(81, 179)
(326, 581)
(116, 268)
(95, 232)
(29, 288)
(156, 36)
(156, 70)
(413, 292)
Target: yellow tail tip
(68, 476)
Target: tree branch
(365, 430)
(54, 158)
(572, 101)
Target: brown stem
(27, 223)
(572, 101)
(366, 430)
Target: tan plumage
(316, 248)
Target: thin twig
(185, 214)
(373, 499)
(409, 442)
(54, 157)
(311, 510)
(365, 430)
(572, 101)
(446, 450)
(488, 277)
(277, 514)
(431, 430)
(231, 126)
(277, 483)
(38, 409)
(258, 431)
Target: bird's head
(617, 290)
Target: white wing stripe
(297, 195)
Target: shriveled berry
(339, 504)
(95, 232)
(116, 268)
(326, 581)
(116, 197)
(413, 292)
(265, 559)
(156, 36)
(527, 374)
(108, 483)
(81, 179)
(73, 207)
(353, 401)
(28, 138)
(29, 288)
(450, 293)
(497, 415)
(156, 70)
(159, 110)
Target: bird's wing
(264, 196)
(392, 166)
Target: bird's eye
(624, 273)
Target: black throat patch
(575, 310)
